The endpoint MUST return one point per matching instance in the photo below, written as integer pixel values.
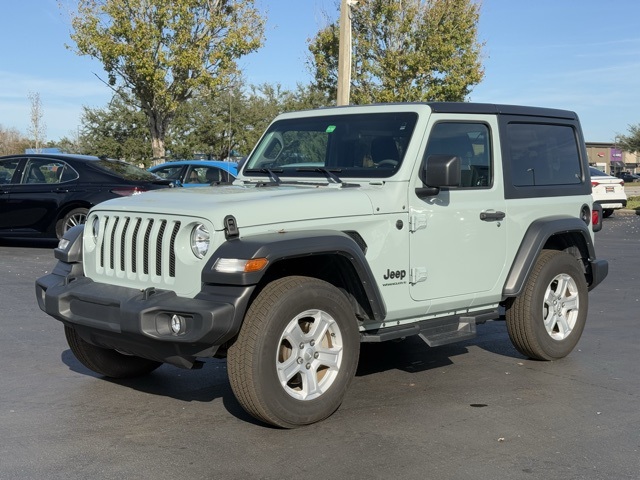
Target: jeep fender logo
(399, 274)
(394, 277)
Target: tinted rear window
(544, 154)
(125, 170)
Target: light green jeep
(345, 225)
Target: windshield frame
(349, 145)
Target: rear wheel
(607, 212)
(104, 361)
(74, 217)
(546, 321)
(296, 353)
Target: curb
(626, 211)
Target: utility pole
(344, 52)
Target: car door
(35, 199)
(458, 237)
(9, 174)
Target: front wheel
(296, 353)
(104, 361)
(546, 320)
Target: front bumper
(139, 322)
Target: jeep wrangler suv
(345, 225)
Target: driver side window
(469, 142)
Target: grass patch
(633, 203)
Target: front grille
(137, 248)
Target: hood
(250, 205)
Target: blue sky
(581, 55)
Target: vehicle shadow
(211, 382)
(413, 355)
(29, 243)
(204, 385)
(410, 355)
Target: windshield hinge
(231, 227)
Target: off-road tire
(546, 320)
(296, 353)
(104, 361)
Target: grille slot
(138, 248)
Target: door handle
(492, 215)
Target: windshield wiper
(272, 175)
(327, 173)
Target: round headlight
(95, 228)
(200, 239)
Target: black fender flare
(279, 246)
(535, 238)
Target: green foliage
(211, 123)
(163, 51)
(405, 51)
(631, 141)
(118, 131)
(633, 203)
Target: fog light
(178, 324)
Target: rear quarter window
(543, 157)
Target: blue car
(197, 173)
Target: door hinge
(417, 274)
(417, 221)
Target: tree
(211, 123)
(117, 131)
(165, 50)
(37, 127)
(409, 50)
(12, 141)
(630, 142)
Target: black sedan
(628, 177)
(44, 195)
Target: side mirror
(439, 171)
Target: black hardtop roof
(491, 108)
(476, 108)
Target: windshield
(355, 145)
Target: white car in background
(608, 191)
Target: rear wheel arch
(563, 234)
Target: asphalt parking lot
(475, 410)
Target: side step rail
(436, 332)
